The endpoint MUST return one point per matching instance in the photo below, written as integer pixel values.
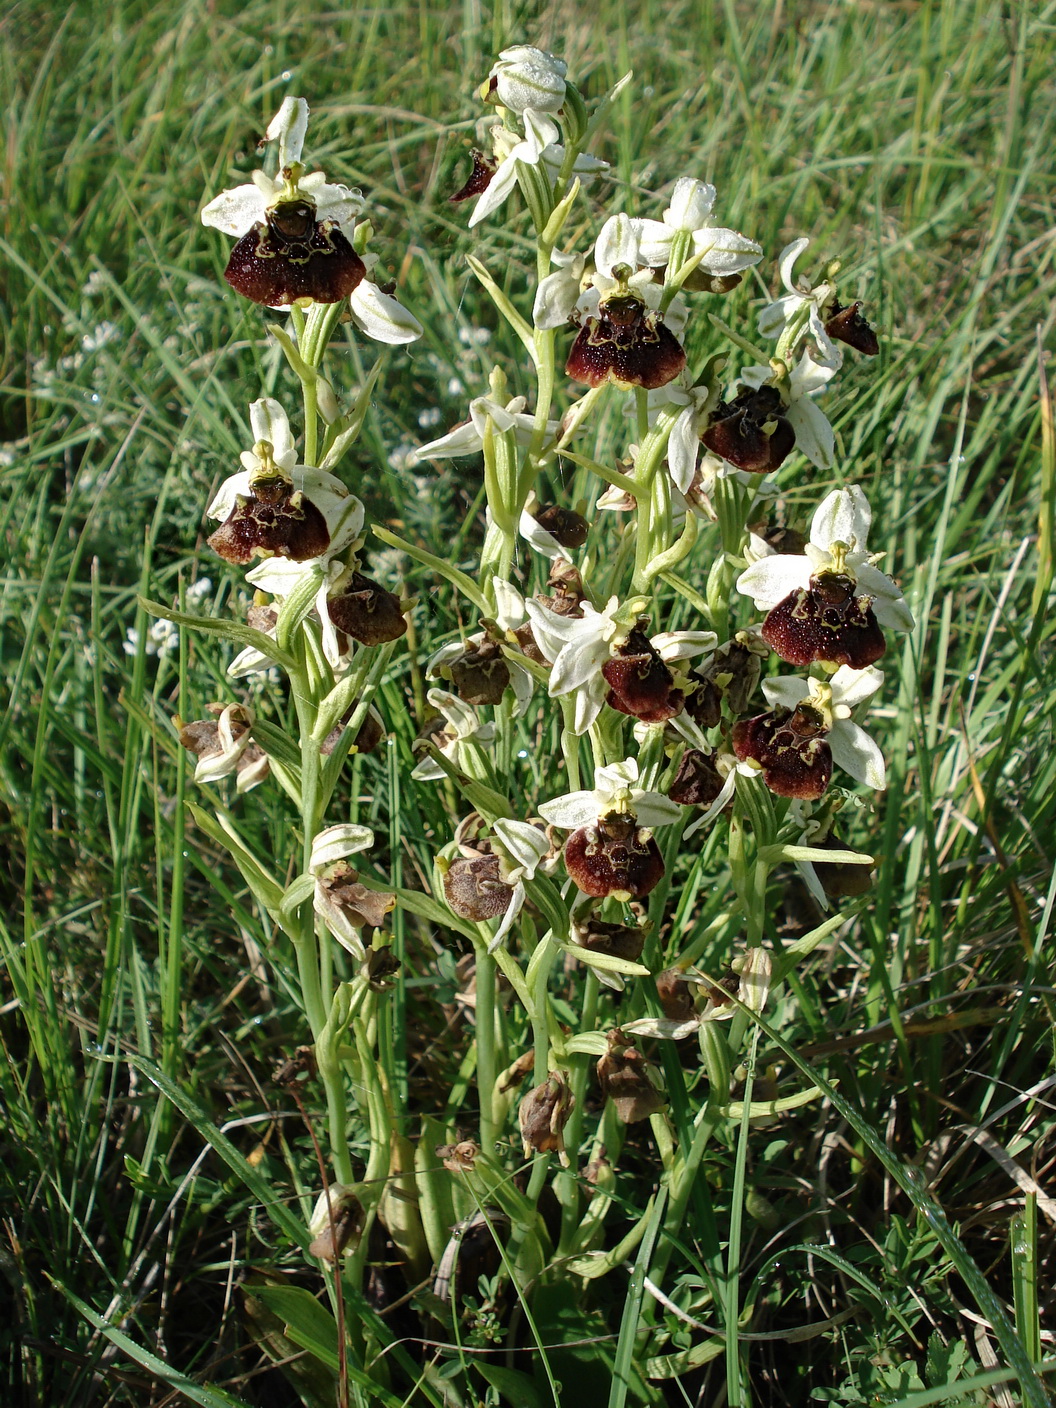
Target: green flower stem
(653, 528)
(485, 1035)
(566, 1186)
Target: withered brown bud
(616, 940)
(841, 881)
(514, 1074)
(543, 1115)
(290, 255)
(640, 683)
(479, 178)
(296, 1068)
(473, 888)
(622, 1074)
(480, 675)
(719, 994)
(367, 612)
(704, 701)
(564, 524)
(790, 747)
(460, 1157)
(676, 994)
(614, 857)
(338, 1226)
(848, 325)
(358, 906)
(825, 621)
(751, 432)
(371, 732)
(626, 344)
(273, 518)
(698, 782)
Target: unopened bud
(543, 1115)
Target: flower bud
(474, 890)
(623, 1076)
(366, 611)
(543, 1115)
(526, 77)
(615, 857)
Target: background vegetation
(913, 139)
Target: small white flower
(614, 792)
(236, 211)
(468, 439)
(776, 316)
(526, 77)
(724, 251)
(580, 646)
(852, 748)
(232, 739)
(839, 535)
(463, 725)
(813, 432)
(683, 445)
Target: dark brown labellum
(848, 325)
(613, 858)
(790, 747)
(479, 178)
(291, 255)
(564, 524)
(274, 519)
(363, 907)
(825, 621)
(481, 675)
(529, 645)
(736, 432)
(704, 703)
(622, 1075)
(640, 683)
(676, 994)
(625, 344)
(698, 781)
(617, 940)
(474, 890)
(841, 881)
(381, 968)
(367, 612)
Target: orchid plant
(623, 621)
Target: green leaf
(230, 630)
(164, 1373)
(265, 889)
(514, 1386)
(505, 307)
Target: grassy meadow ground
(915, 140)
